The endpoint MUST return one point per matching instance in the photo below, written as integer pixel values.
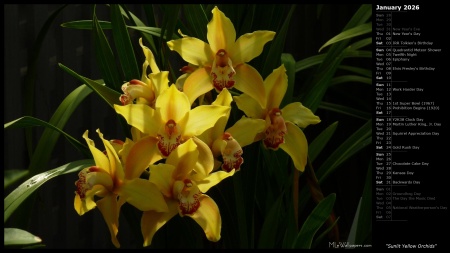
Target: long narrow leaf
(12, 176)
(15, 236)
(348, 34)
(350, 111)
(364, 220)
(276, 48)
(109, 95)
(275, 221)
(317, 145)
(289, 64)
(59, 119)
(361, 71)
(312, 92)
(30, 77)
(86, 24)
(358, 140)
(28, 121)
(314, 222)
(105, 57)
(196, 19)
(351, 78)
(124, 47)
(16, 197)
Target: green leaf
(318, 59)
(22, 192)
(350, 111)
(314, 222)
(30, 77)
(274, 222)
(362, 223)
(28, 121)
(59, 119)
(317, 145)
(15, 236)
(359, 44)
(109, 95)
(357, 70)
(105, 57)
(348, 34)
(196, 20)
(155, 31)
(350, 78)
(311, 94)
(12, 176)
(86, 24)
(289, 64)
(357, 141)
(124, 47)
(277, 46)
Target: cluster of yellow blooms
(184, 145)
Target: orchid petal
(183, 158)
(151, 221)
(144, 195)
(205, 161)
(245, 130)
(299, 114)
(149, 57)
(192, 50)
(249, 81)
(108, 206)
(213, 179)
(218, 145)
(249, 46)
(160, 81)
(161, 176)
(99, 157)
(224, 98)
(204, 117)
(140, 116)
(276, 85)
(208, 217)
(173, 104)
(249, 106)
(115, 165)
(140, 92)
(197, 84)
(296, 146)
(221, 33)
(88, 203)
(143, 153)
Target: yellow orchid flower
(113, 185)
(146, 90)
(184, 179)
(222, 62)
(282, 125)
(172, 121)
(227, 144)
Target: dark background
(53, 216)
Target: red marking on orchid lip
(117, 141)
(187, 182)
(136, 82)
(276, 130)
(187, 69)
(170, 127)
(189, 198)
(222, 58)
(231, 154)
(226, 136)
(94, 169)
